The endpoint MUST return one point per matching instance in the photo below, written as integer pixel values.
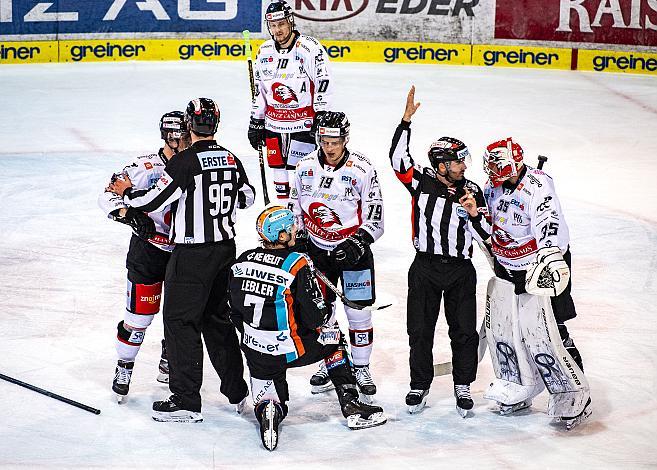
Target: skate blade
(506, 410)
(270, 439)
(463, 413)
(182, 416)
(355, 422)
(367, 399)
(163, 378)
(573, 423)
(316, 389)
(121, 399)
(415, 409)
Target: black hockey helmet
(202, 116)
(332, 124)
(447, 149)
(279, 10)
(172, 125)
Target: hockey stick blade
(344, 299)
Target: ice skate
(163, 376)
(416, 399)
(464, 401)
(320, 381)
(572, 422)
(171, 410)
(270, 415)
(122, 376)
(239, 407)
(365, 383)
(505, 410)
(359, 415)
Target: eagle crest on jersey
(324, 216)
(283, 93)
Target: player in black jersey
(205, 184)
(447, 213)
(278, 307)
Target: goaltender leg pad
(569, 389)
(517, 378)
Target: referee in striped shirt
(204, 184)
(447, 212)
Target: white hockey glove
(549, 275)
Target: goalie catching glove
(141, 224)
(352, 249)
(549, 276)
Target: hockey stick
(445, 368)
(50, 394)
(249, 59)
(344, 299)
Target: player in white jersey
(293, 88)
(530, 243)
(337, 200)
(148, 254)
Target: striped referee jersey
(204, 184)
(441, 226)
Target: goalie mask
(172, 128)
(274, 220)
(502, 160)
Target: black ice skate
(270, 415)
(365, 383)
(122, 376)
(572, 422)
(464, 401)
(359, 415)
(416, 399)
(509, 409)
(171, 410)
(320, 381)
(163, 375)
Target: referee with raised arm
(205, 184)
(447, 212)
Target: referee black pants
(431, 278)
(195, 304)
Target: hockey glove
(301, 242)
(141, 224)
(256, 133)
(549, 276)
(351, 250)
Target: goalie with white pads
(529, 300)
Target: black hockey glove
(141, 224)
(257, 133)
(301, 242)
(351, 250)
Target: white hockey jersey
(525, 218)
(291, 85)
(144, 171)
(332, 203)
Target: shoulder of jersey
(359, 160)
(308, 159)
(537, 177)
(267, 46)
(308, 43)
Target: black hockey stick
(261, 159)
(344, 299)
(50, 394)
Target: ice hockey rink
(65, 128)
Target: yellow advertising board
(615, 61)
(398, 52)
(28, 52)
(521, 56)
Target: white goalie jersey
(143, 171)
(291, 85)
(525, 219)
(332, 203)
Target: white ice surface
(65, 128)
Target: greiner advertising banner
(632, 22)
(55, 17)
(451, 21)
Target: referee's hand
(411, 105)
(469, 203)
